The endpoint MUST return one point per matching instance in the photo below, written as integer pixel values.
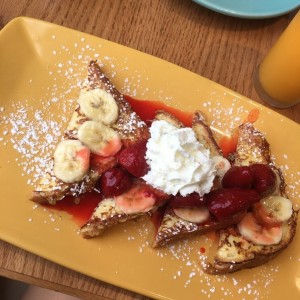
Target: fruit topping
(191, 200)
(238, 177)
(273, 210)
(264, 179)
(257, 176)
(115, 182)
(252, 231)
(100, 164)
(192, 214)
(139, 198)
(133, 159)
(71, 161)
(100, 139)
(223, 203)
(98, 105)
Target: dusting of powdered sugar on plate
(33, 134)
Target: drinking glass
(277, 78)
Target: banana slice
(101, 140)
(221, 165)
(98, 105)
(278, 208)
(252, 231)
(192, 214)
(136, 200)
(71, 161)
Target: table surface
(221, 48)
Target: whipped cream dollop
(178, 162)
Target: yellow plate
(41, 67)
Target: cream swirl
(178, 162)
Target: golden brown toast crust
(107, 214)
(252, 147)
(52, 189)
(254, 255)
(173, 228)
(100, 221)
(204, 134)
(129, 126)
(162, 115)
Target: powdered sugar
(33, 132)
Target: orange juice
(279, 72)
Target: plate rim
(223, 9)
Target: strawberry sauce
(156, 218)
(202, 250)
(81, 211)
(228, 144)
(146, 110)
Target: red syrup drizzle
(202, 250)
(80, 209)
(146, 110)
(228, 144)
(156, 218)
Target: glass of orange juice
(277, 78)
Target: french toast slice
(127, 124)
(173, 227)
(108, 214)
(234, 251)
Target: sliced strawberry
(224, 203)
(111, 148)
(137, 199)
(191, 200)
(133, 159)
(101, 164)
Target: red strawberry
(191, 200)
(224, 203)
(101, 164)
(114, 182)
(133, 159)
(239, 177)
(264, 179)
